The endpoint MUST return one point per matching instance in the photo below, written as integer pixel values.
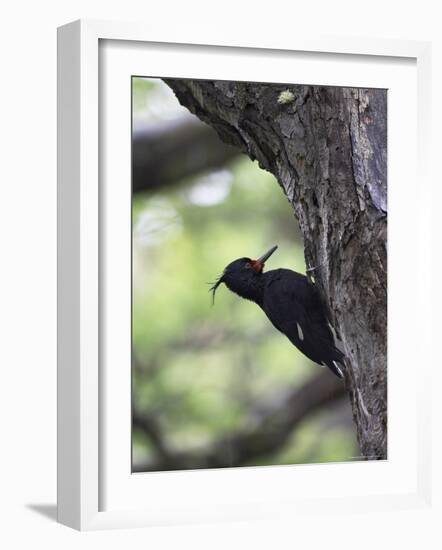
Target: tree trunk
(327, 148)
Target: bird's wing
(294, 307)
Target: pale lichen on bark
(328, 150)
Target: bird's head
(242, 275)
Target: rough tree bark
(327, 148)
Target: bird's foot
(310, 269)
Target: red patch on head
(257, 266)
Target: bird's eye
(248, 265)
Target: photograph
(259, 274)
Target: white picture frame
(81, 393)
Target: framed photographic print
(234, 239)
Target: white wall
(28, 277)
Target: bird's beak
(259, 263)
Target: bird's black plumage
(291, 302)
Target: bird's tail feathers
(337, 367)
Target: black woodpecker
(292, 304)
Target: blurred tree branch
(148, 424)
(168, 151)
(268, 429)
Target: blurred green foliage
(199, 369)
